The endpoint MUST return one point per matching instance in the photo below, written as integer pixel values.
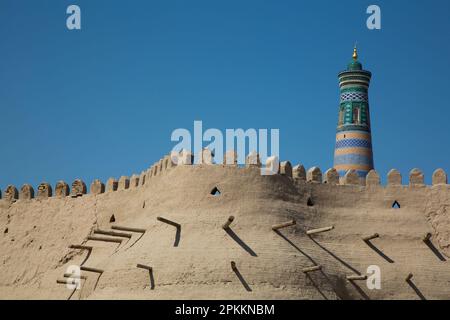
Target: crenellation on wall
(78, 188)
(134, 181)
(170, 162)
(111, 185)
(44, 191)
(351, 178)
(299, 172)
(11, 193)
(394, 178)
(161, 167)
(124, 183)
(97, 187)
(314, 175)
(61, 189)
(151, 171)
(165, 165)
(206, 156)
(148, 175)
(272, 166)
(186, 158)
(26, 192)
(142, 178)
(439, 177)
(230, 158)
(373, 179)
(156, 169)
(331, 177)
(286, 169)
(253, 160)
(416, 178)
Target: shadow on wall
(240, 277)
(178, 229)
(240, 242)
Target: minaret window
(356, 115)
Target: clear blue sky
(103, 101)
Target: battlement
(297, 173)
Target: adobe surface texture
(190, 253)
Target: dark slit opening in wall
(396, 205)
(310, 203)
(112, 219)
(215, 191)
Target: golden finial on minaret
(355, 53)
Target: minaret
(353, 148)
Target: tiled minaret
(353, 148)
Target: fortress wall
(401, 232)
(36, 253)
(262, 214)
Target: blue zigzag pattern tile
(353, 143)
